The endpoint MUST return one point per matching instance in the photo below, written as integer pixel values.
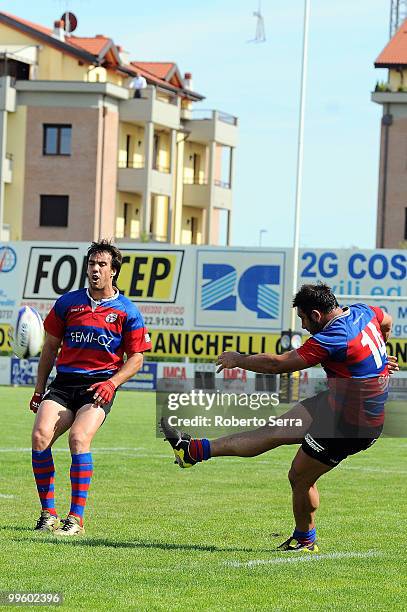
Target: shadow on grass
(15, 528)
(104, 542)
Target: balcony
(387, 97)
(131, 176)
(8, 168)
(7, 94)
(150, 107)
(197, 193)
(222, 195)
(161, 181)
(209, 125)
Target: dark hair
(105, 246)
(315, 297)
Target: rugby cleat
(179, 442)
(70, 527)
(293, 545)
(47, 522)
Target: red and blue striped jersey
(94, 340)
(351, 346)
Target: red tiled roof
(154, 72)
(159, 69)
(91, 45)
(149, 76)
(45, 31)
(395, 52)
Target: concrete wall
(396, 183)
(106, 185)
(14, 191)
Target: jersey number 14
(377, 345)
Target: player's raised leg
(189, 451)
(303, 474)
(87, 421)
(52, 420)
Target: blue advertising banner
(144, 380)
(23, 371)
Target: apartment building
(82, 158)
(392, 96)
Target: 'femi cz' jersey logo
(80, 337)
(111, 317)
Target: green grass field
(161, 538)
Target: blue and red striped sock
(81, 475)
(306, 538)
(200, 449)
(44, 473)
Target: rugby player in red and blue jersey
(349, 343)
(96, 327)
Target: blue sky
(260, 84)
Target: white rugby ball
(28, 333)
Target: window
(54, 211)
(128, 145)
(57, 139)
(194, 230)
(156, 150)
(126, 209)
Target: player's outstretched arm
(47, 360)
(263, 363)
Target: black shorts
(328, 439)
(71, 391)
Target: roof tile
(395, 52)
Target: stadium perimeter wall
(199, 301)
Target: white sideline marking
(134, 452)
(373, 469)
(4, 496)
(126, 451)
(303, 559)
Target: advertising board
(199, 301)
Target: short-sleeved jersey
(351, 346)
(94, 340)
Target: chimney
(124, 55)
(59, 30)
(188, 81)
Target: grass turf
(161, 538)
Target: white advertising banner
(198, 300)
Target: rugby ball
(28, 333)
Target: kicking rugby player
(96, 326)
(349, 343)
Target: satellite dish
(70, 22)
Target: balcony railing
(198, 113)
(130, 164)
(223, 184)
(195, 180)
(164, 96)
